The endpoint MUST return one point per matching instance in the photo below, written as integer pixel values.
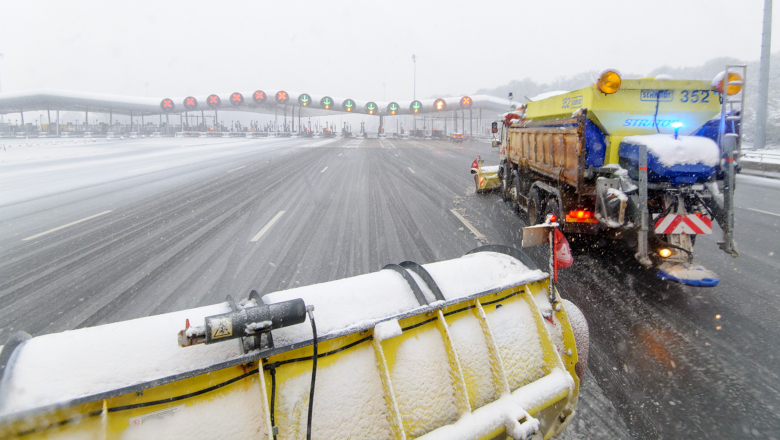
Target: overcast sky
(350, 48)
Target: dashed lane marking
(764, 212)
(468, 225)
(65, 226)
(410, 169)
(323, 170)
(236, 169)
(267, 226)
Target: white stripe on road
(267, 227)
(323, 170)
(468, 225)
(236, 169)
(410, 169)
(763, 212)
(65, 226)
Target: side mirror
(495, 127)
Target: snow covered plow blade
(470, 348)
(485, 178)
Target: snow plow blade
(485, 178)
(690, 274)
(469, 348)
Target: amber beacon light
(609, 81)
(734, 83)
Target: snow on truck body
(469, 348)
(589, 157)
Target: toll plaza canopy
(257, 101)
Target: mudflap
(688, 273)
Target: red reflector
(553, 218)
(642, 168)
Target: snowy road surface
(111, 230)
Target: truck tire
(505, 182)
(534, 207)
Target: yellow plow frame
(491, 364)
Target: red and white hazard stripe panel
(690, 224)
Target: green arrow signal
(416, 105)
(393, 107)
(326, 102)
(304, 99)
(371, 107)
(348, 104)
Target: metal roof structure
(256, 101)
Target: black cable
(273, 397)
(655, 117)
(313, 374)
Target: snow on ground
(757, 180)
(35, 168)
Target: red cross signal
(190, 102)
(281, 97)
(259, 96)
(214, 101)
(465, 102)
(166, 105)
(236, 98)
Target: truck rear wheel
(505, 182)
(534, 207)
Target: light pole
(414, 91)
(2, 117)
(759, 141)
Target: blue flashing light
(677, 124)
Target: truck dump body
(555, 149)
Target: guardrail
(762, 160)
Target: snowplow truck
(650, 161)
